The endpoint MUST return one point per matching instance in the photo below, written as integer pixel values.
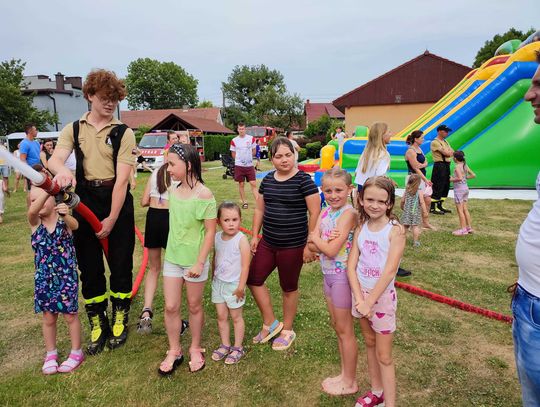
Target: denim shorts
(222, 292)
(526, 333)
(4, 171)
(174, 270)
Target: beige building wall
(397, 116)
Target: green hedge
(214, 145)
(302, 155)
(313, 149)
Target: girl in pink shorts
(461, 193)
(374, 259)
(333, 239)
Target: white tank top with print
(374, 248)
(228, 258)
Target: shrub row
(214, 145)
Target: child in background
(156, 231)
(192, 227)
(414, 207)
(231, 268)
(286, 195)
(374, 259)
(461, 193)
(333, 238)
(56, 280)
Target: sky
(323, 48)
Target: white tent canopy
(41, 135)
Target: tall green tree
(152, 84)
(258, 95)
(205, 103)
(489, 48)
(16, 110)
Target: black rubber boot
(119, 332)
(434, 208)
(441, 208)
(99, 327)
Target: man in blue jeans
(526, 302)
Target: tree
(489, 48)
(16, 110)
(258, 95)
(205, 103)
(152, 84)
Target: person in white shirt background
(526, 301)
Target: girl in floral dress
(56, 283)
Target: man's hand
(65, 178)
(107, 226)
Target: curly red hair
(106, 83)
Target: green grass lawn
(444, 356)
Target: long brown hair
(163, 179)
(381, 182)
(375, 148)
(413, 184)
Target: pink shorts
(383, 320)
(336, 287)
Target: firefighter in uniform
(440, 177)
(105, 152)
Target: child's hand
(308, 255)
(62, 209)
(334, 234)
(364, 309)
(239, 293)
(311, 236)
(195, 271)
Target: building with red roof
(401, 95)
(208, 120)
(314, 111)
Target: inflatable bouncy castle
(491, 123)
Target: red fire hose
(442, 299)
(142, 269)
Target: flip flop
(284, 343)
(273, 330)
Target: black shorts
(157, 228)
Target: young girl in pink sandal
(461, 193)
(56, 281)
(333, 239)
(374, 259)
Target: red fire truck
(264, 135)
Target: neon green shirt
(186, 228)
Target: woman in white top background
(375, 160)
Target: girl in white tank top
(378, 246)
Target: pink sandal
(196, 365)
(50, 365)
(369, 400)
(460, 232)
(73, 361)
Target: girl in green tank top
(192, 226)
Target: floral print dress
(56, 281)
